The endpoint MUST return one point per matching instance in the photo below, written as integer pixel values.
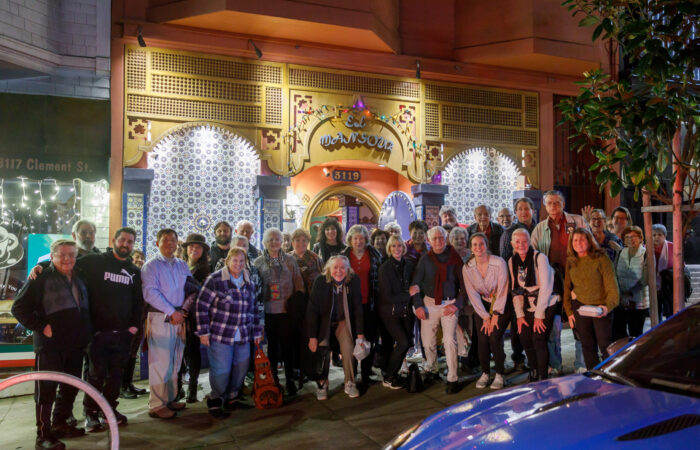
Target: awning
(54, 137)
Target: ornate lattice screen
(180, 86)
(481, 116)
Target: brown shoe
(177, 406)
(162, 413)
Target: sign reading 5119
(352, 176)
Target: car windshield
(667, 358)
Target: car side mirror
(618, 344)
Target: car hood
(562, 412)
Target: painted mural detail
(11, 252)
(479, 176)
(203, 174)
(398, 207)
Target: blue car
(646, 395)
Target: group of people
(391, 294)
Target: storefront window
(33, 214)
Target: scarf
(528, 266)
(453, 260)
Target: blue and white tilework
(203, 174)
(135, 216)
(479, 176)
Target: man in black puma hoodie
(54, 306)
(116, 308)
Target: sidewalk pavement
(369, 421)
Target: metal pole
(77, 383)
(651, 263)
(679, 179)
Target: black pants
(593, 332)
(628, 322)
(401, 331)
(279, 330)
(518, 348)
(473, 355)
(136, 340)
(67, 361)
(109, 353)
(492, 344)
(371, 328)
(192, 357)
(536, 343)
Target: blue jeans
(554, 345)
(228, 365)
(579, 363)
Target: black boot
(192, 392)
(180, 392)
(216, 408)
(532, 376)
(126, 390)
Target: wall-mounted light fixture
(139, 37)
(258, 52)
(418, 69)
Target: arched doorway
(364, 196)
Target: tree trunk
(678, 285)
(651, 262)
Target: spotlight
(326, 172)
(418, 69)
(258, 52)
(139, 37)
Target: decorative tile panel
(135, 204)
(479, 176)
(203, 174)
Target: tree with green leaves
(644, 124)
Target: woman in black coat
(335, 309)
(394, 307)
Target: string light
(24, 193)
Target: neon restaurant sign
(353, 138)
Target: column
(428, 199)
(136, 189)
(271, 190)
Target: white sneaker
(498, 382)
(351, 390)
(322, 392)
(482, 381)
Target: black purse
(315, 365)
(399, 310)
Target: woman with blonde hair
(335, 308)
(590, 293)
(281, 278)
(227, 323)
(394, 306)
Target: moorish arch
(360, 193)
(477, 176)
(203, 173)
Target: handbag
(266, 393)
(315, 365)
(414, 382)
(399, 310)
